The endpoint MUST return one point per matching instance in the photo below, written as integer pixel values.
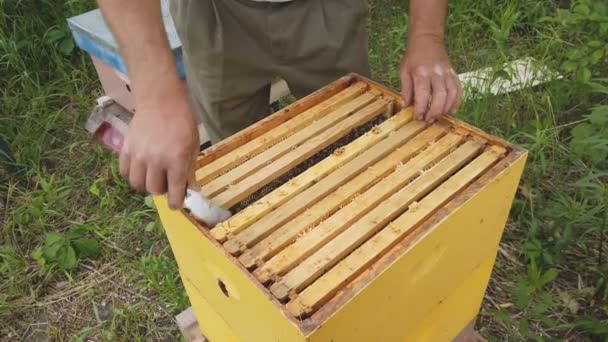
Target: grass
(109, 274)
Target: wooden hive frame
(314, 240)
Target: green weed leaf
(149, 202)
(46, 185)
(521, 295)
(582, 9)
(598, 87)
(533, 249)
(583, 75)
(55, 35)
(86, 247)
(570, 66)
(64, 193)
(547, 257)
(150, 227)
(94, 189)
(599, 115)
(66, 46)
(595, 43)
(52, 244)
(533, 272)
(593, 325)
(35, 212)
(38, 255)
(502, 315)
(596, 56)
(524, 327)
(66, 258)
(64, 249)
(597, 155)
(548, 277)
(582, 131)
(76, 232)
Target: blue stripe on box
(112, 57)
(92, 35)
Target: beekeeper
(232, 50)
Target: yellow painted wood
(336, 117)
(279, 196)
(408, 289)
(296, 205)
(296, 155)
(272, 137)
(204, 263)
(441, 324)
(327, 285)
(345, 217)
(210, 322)
(425, 268)
(327, 256)
(446, 319)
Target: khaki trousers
(233, 49)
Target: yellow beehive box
(352, 221)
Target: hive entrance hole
(223, 288)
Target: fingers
(438, 98)
(459, 93)
(154, 176)
(156, 180)
(434, 92)
(407, 89)
(177, 181)
(137, 174)
(422, 92)
(452, 93)
(124, 163)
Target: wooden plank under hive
(352, 221)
